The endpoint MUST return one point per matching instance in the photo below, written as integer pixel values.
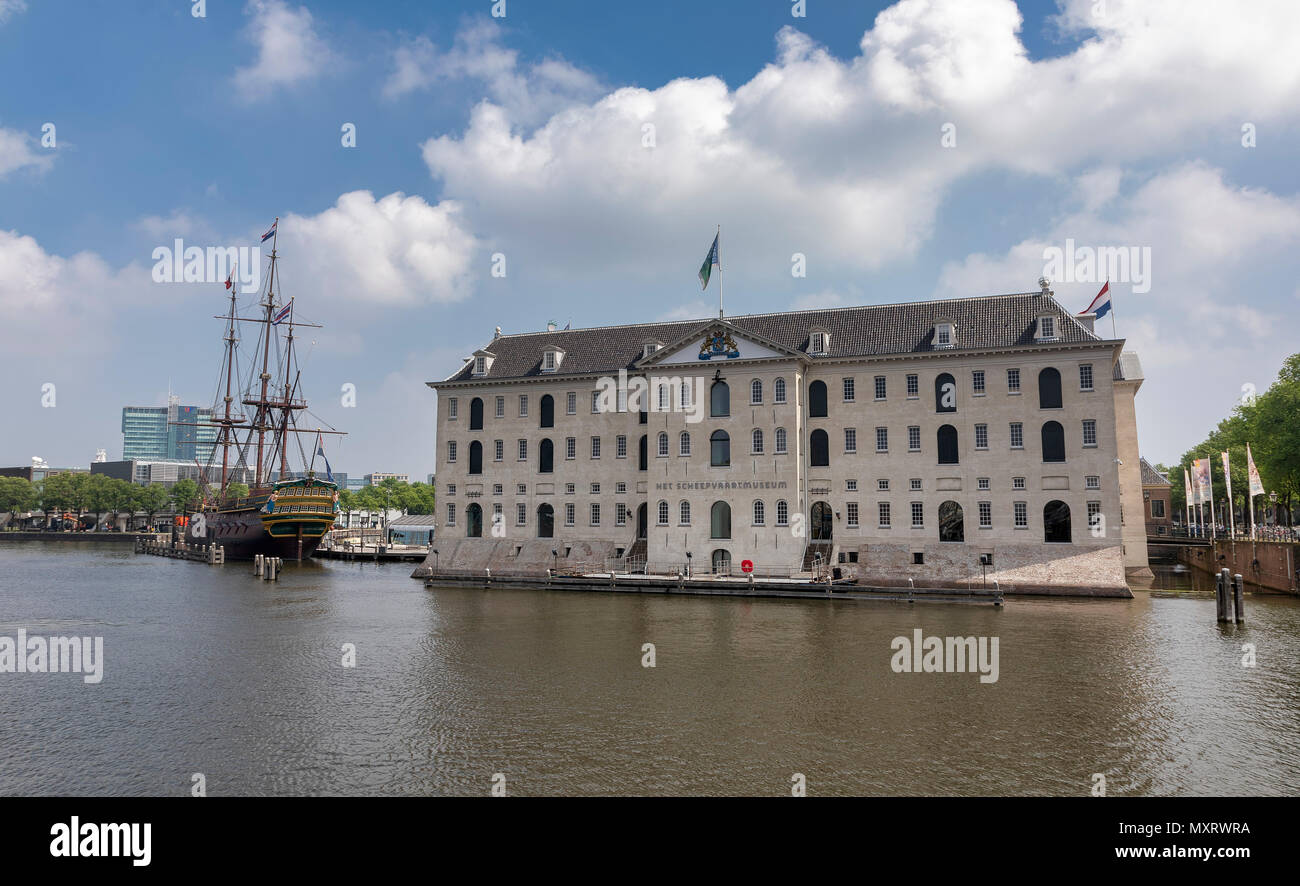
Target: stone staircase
(825, 548)
(637, 553)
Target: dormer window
(480, 365)
(945, 335)
(650, 347)
(1046, 328)
(551, 359)
(818, 341)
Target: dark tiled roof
(868, 330)
(1152, 477)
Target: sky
(908, 151)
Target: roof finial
(497, 334)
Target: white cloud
(180, 223)
(17, 150)
(397, 250)
(289, 51)
(10, 8)
(529, 93)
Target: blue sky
(1113, 124)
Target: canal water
(210, 670)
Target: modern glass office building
(167, 432)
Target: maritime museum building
(988, 438)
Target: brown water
(211, 670)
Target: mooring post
(1238, 598)
(1221, 595)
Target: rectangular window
(882, 439)
(595, 489)
(1017, 435)
(817, 343)
(451, 450)
(620, 514)
(595, 447)
(498, 450)
(981, 436)
(1017, 482)
(501, 407)
(1157, 507)
(1047, 327)
(1013, 381)
(1092, 482)
(451, 515)
(620, 488)
(1022, 515)
(977, 381)
(880, 387)
(569, 488)
(569, 511)
(523, 450)
(620, 446)
(1089, 432)
(884, 514)
(982, 482)
(986, 515)
(572, 405)
(521, 488)
(851, 513)
(1094, 513)
(914, 438)
(452, 409)
(480, 365)
(523, 405)
(942, 335)
(595, 402)
(1085, 376)
(882, 485)
(915, 484)
(850, 440)
(595, 514)
(521, 514)
(570, 448)
(548, 361)
(913, 386)
(849, 392)
(918, 515)
(451, 488)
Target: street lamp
(688, 564)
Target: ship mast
(262, 403)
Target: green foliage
(152, 498)
(237, 490)
(413, 498)
(17, 494)
(185, 495)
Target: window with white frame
(755, 392)
(570, 448)
(1017, 435)
(595, 514)
(570, 489)
(817, 343)
(780, 441)
(850, 440)
(1017, 482)
(1094, 514)
(665, 394)
(918, 515)
(981, 436)
(662, 444)
(977, 381)
(521, 488)
(1089, 432)
(851, 513)
(451, 488)
(986, 514)
(684, 514)
(523, 450)
(595, 447)
(662, 514)
(882, 485)
(620, 514)
(914, 438)
(913, 386)
(760, 514)
(451, 514)
(882, 439)
(451, 450)
(778, 391)
(569, 511)
(981, 482)
(595, 489)
(498, 450)
(452, 408)
(620, 488)
(521, 514)
(497, 489)
(880, 387)
(850, 393)
(523, 405)
(756, 442)
(1092, 481)
(548, 361)
(1022, 515)
(620, 446)
(943, 335)
(882, 510)
(571, 403)
(782, 513)
(595, 402)
(1085, 376)
(1046, 327)
(684, 444)
(1013, 381)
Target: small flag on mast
(1100, 304)
(284, 312)
(270, 232)
(706, 269)
(320, 450)
(230, 279)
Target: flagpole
(719, 255)
(1227, 481)
(1209, 464)
(1113, 333)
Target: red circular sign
(746, 565)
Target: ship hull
(288, 524)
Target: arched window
(684, 513)
(782, 513)
(476, 457)
(778, 391)
(1049, 389)
(545, 521)
(663, 444)
(548, 412)
(719, 399)
(1056, 522)
(819, 449)
(720, 520)
(684, 443)
(821, 522)
(663, 513)
(756, 442)
(1053, 441)
(476, 414)
(686, 394)
(817, 399)
(546, 457)
(947, 439)
(755, 392)
(474, 521)
(780, 441)
(760, 513)
(643, 457)
(945, 393)
(719, 449)
(951, 525)
(665, 394)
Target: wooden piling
(1238, 598)
(1220, 598)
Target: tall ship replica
(285, 512)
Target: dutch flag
(1101, 304)
(270, 232)
(284, 312)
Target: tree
(122, 497)
(17, 494)
(151, 499)
(237, 490)
(185, 495)
(99, 495)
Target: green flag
(706, 269)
